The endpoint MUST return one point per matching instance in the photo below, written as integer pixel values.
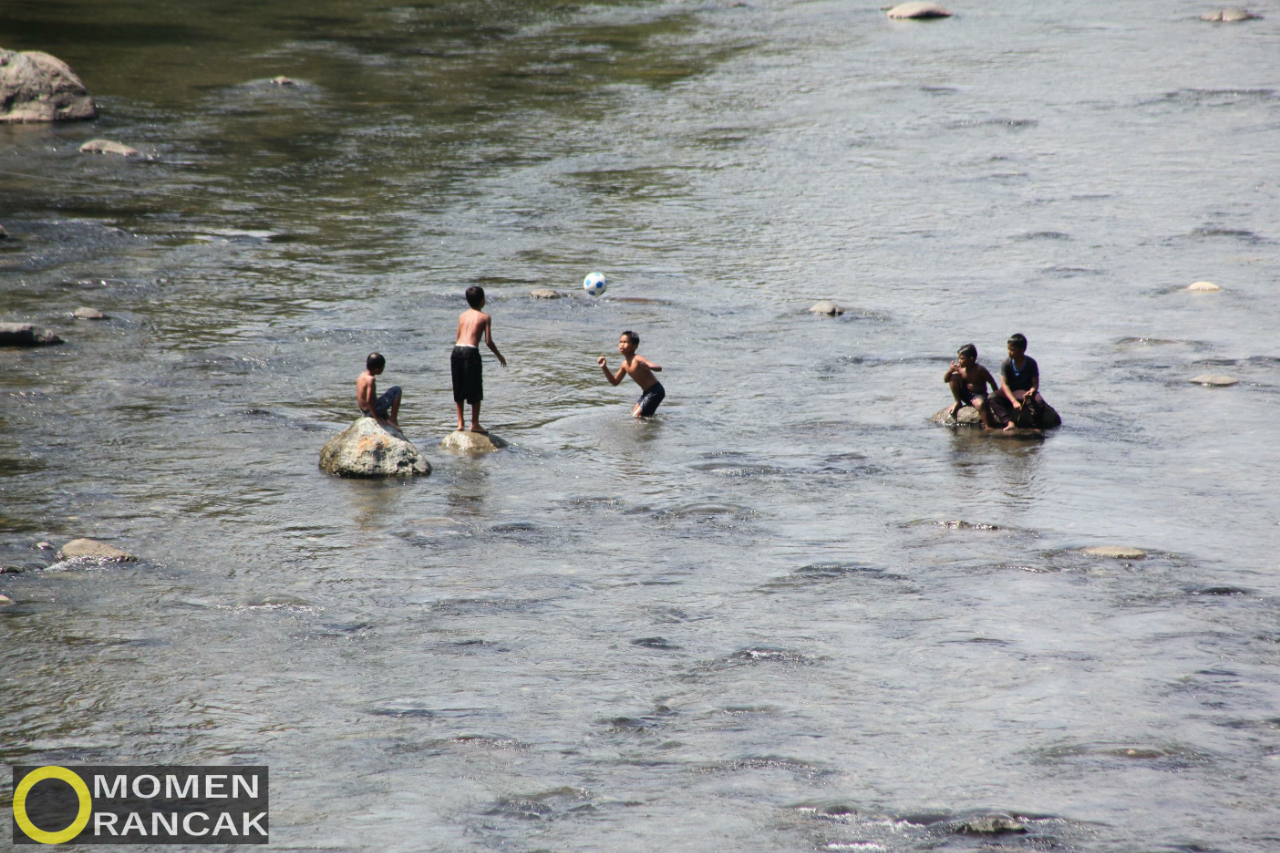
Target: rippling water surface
(788, 613)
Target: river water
(788, 613)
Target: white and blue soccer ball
(595, 284)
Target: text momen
(145, 787)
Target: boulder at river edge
(26, 335)
(35, 86)
(93, 550)
(368, 449)
(465, 441)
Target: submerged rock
(545, 293)
(1116, 552)
(1228, 16)
(1217, 380)
(4, 599)
(968, 416)
(992, 824)
(918, 11)
(26, 335)
(94, 550)
(35, 86)
(282, 80)
(368, 449)
(83, 313)
(826, 307)
(465, 441)
(106, 146)
(4, 235)
(1203, 287)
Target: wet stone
(106, 146)
(1228, 16)
(993, 824)
(369, 449)
(4, 599)
(37, 86)
(282, 81)
(1116, 552)
(26, 335)
(918, 11)
(826, 307)
(1203, 287)
(545, 293)
(1214, 380)
(465, 441)
(84, 313)
(94, 550)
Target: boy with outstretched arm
(384, 409)
(1020, 383)
(969, 381)
(641, 370)
(465, 364)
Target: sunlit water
(753, 623)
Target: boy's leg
(461, 423)
(475, 419)
(1017, 413)
(984, 411)
(395, 407)
(959, 391)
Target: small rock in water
(92, 549)
(465, 441)
(545, 293)
(1115, 552)
(106, 146)
(44, 546)
(36, 86)
(11, 570)
(992, 824)
(368, 449)
(4, 235)
(1228, 16)
(4, 599)
(918, 11)
(282, 80)
(1203, 287)
(83, 313)
(1216, 380)
(827, 307)
(26, 335)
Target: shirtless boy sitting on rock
(641, 370)
(968, 381)
(384, 409)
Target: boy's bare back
(471, 325)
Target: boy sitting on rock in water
(465, 364)
(968, 381)
(384, 409)
(641, 370)
(1020, 384)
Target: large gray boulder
(91, 549)
(35, 86)
(368, 449)
(26, 335)
(968, 416)
(465, 441)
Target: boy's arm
(995, 386)
(951, 371)
(613, 380)
(488, 339)
(654, 367)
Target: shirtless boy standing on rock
(465, 364)
(641, 370)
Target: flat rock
(94, 550)
(4, 599)
(1228, 16)
(282, 80)
(1216, 380)
(918, 11)
(368, 449)
(826, 307)
(465, 441)
(106, 146)
(1116, 552)
(26, 335)
(545, 293)
(1203, 287)
(83, 313)
(969, 417)
(992, 824)
(35, 86)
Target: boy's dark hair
(475, 296)
(969, 350)
(1018, 341)
(374, 361)
(632, 336)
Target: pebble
(106, 146)
(1216, 380)
(545, 293)
(84, 313)
(827, 307)
(1203, 287)
(1116, 552)
(919, 10)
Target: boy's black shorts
(468, 375)
(650, 399)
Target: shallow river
(755, 622)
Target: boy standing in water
(968, 381)
(641, 370)
(464, 364)
(1020, 383)
(384, 409)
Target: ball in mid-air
(595, 283)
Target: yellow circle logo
(34, 832)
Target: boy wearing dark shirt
(1020, 383)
